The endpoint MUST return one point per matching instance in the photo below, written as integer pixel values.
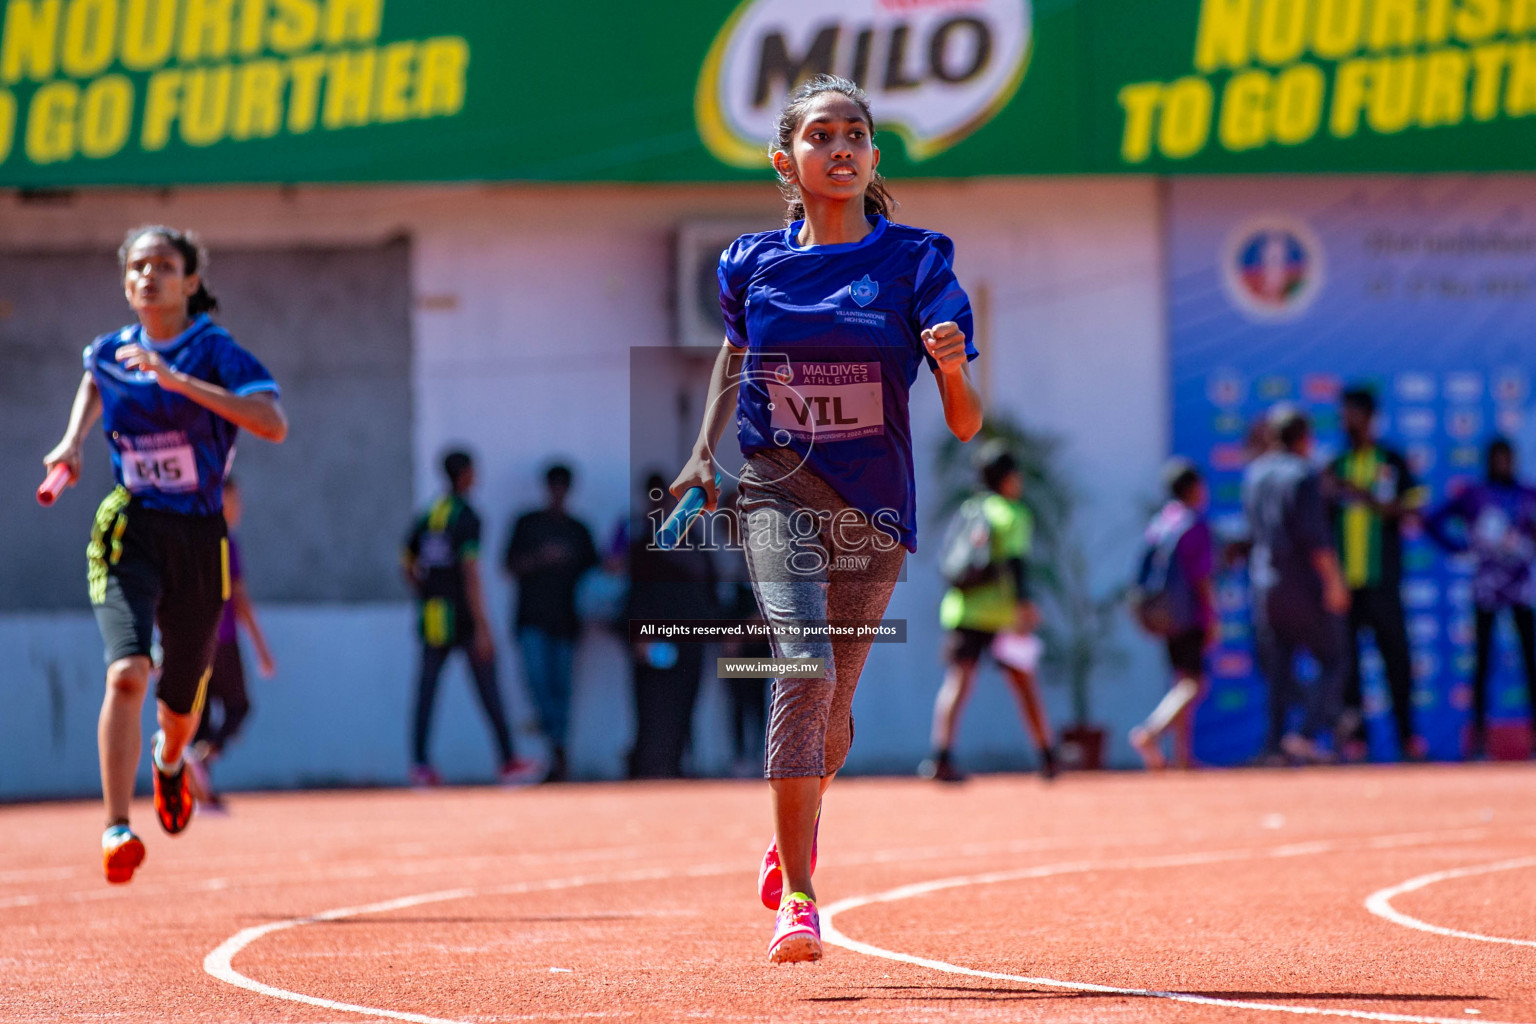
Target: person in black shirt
(442, 566)
(548, 552)
(665, 584)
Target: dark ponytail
(194, 260)
(877, 198)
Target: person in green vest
(441, 560)
(1372, 490)
(975, 615)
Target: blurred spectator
(442, 567)
(1180, 552)
(1371, 489)
(1496, 522)
(747, 698)
(985, 559)
(1299, 595)
(547, 552)
(226, 676)
(678, 584)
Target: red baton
(59, 477)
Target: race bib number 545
(158, 463)
(829, 401)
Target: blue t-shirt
(169, 452)
(834, 340)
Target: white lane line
(219, 963)
(1380, 903)
(832, 934)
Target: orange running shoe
(121, 853)
(173, 795)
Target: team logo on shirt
(935, 70)
(1272, 268)
(863, 291)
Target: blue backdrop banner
(1423, 288)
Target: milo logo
(935, 70)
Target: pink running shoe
(770, 877)
(796, 932)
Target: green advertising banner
(164, 92)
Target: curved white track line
(1380, 903)
(219, 963)
(832, 934)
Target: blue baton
(675, 528)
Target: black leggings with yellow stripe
(146, 568)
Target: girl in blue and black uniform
(172, 390)
(828, 321)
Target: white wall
(527, 301)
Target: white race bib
(832, 401)
(158, 462)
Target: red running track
(1216, 897)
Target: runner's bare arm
(962, 405)
(485, 645)
(260, 413)
(82, 417)
(245, 615)
(718, 410)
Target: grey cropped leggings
(812, 559)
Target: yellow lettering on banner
(1222, 39)
(205, 105)
(1487, 80)
(1477, 20)
(206, 29)
(304, 74)
(1392, 91)
(106, 116)
(161, 105)
(1282, 31)
(149, 30)
(1299, 104)
(1522, 16)
(1185, 124)
(7, 124)
(1338, 28)
(1437, 21)
(295, 25)
(392, 103)
(253, 22)
(1139, 102)
(349, 89)
(1443, 99)
(258, 100)
(29, 42)
(1394, 24)
(1244, 111)
(90, 29)
(353, 21)
(1521, 98)
(51, 123)
(1349, 95)
(440, 78)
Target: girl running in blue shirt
(172, 390)
(827, 322)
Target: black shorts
(966, 646)
(148, 567)
(1186, 653)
